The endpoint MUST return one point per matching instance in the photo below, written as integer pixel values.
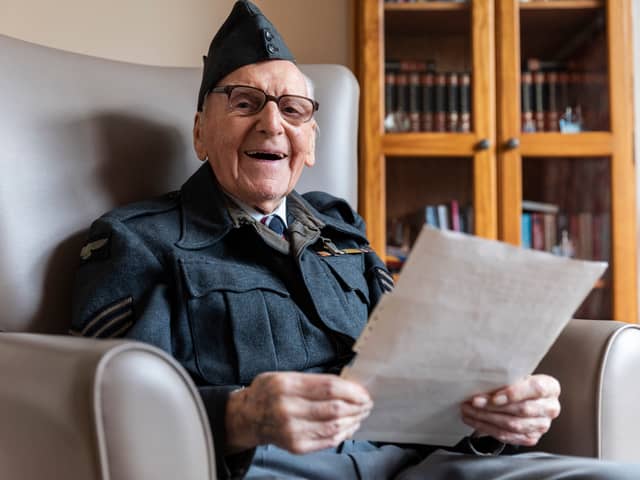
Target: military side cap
(245, 37)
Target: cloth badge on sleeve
(109, 322)
(97, 248)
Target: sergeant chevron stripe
(385, 279)
(112, 316)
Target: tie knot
(275, 223)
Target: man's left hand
(518, 414)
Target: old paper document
(468, 315)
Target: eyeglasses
(246, 101)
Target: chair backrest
(80, 135)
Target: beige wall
(174, 32)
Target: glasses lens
(245, 100)
(295, 109)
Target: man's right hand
(300, 412)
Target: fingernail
(479, 402)
(500, 399)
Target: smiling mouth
(258, 155)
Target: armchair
(80, 135)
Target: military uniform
(197, 277)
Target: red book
(537, 231)
(455, 216)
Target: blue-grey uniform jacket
(195, 276)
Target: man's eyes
(245, 103)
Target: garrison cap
(246, 37)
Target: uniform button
(268, 35)
(271, 48)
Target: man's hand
(299, 412)
(518, 414)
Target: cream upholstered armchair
(80, 135)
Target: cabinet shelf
(552, 144)
(426, 7)
(562, 5)
(429, 144)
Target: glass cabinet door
(565, 168)
(429, 107)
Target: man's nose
(270, 120)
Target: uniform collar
(206, 218)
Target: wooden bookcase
(496, 166)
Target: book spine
(452, 102)
(553, 116)
(539, 104)
(440, 115)
(390, 100)
(527, 111)
(537, 231)
(402, 116)
(414, 102)
(431, 216)
(443, 217)
(426, 114)
(526, 230)
(465, 102)
(549, 231)
(454, 208)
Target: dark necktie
(275, 223)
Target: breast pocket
(351, 291)
(230, 310)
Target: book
(552, 111)
(455, 216)
(452, 102)
(431, 216)
(550, 235)
(414, 100)
(527, 102)
(443, 216)
(538, 101)
(465, 102)
(390, 101)
(526, 230)
(537, 231)
(440, 114)
(426, 111)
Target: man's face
(258, 158)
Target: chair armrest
(596, 362)
(77, 408)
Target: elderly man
(236, 276)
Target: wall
(171, 32)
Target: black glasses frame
(227, 89)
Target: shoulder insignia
(96, 248)
(109, 322)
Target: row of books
(585, 235)
(402, 232)
(427, 101)
(563, 101)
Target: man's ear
(198, 144)
(311, 156)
